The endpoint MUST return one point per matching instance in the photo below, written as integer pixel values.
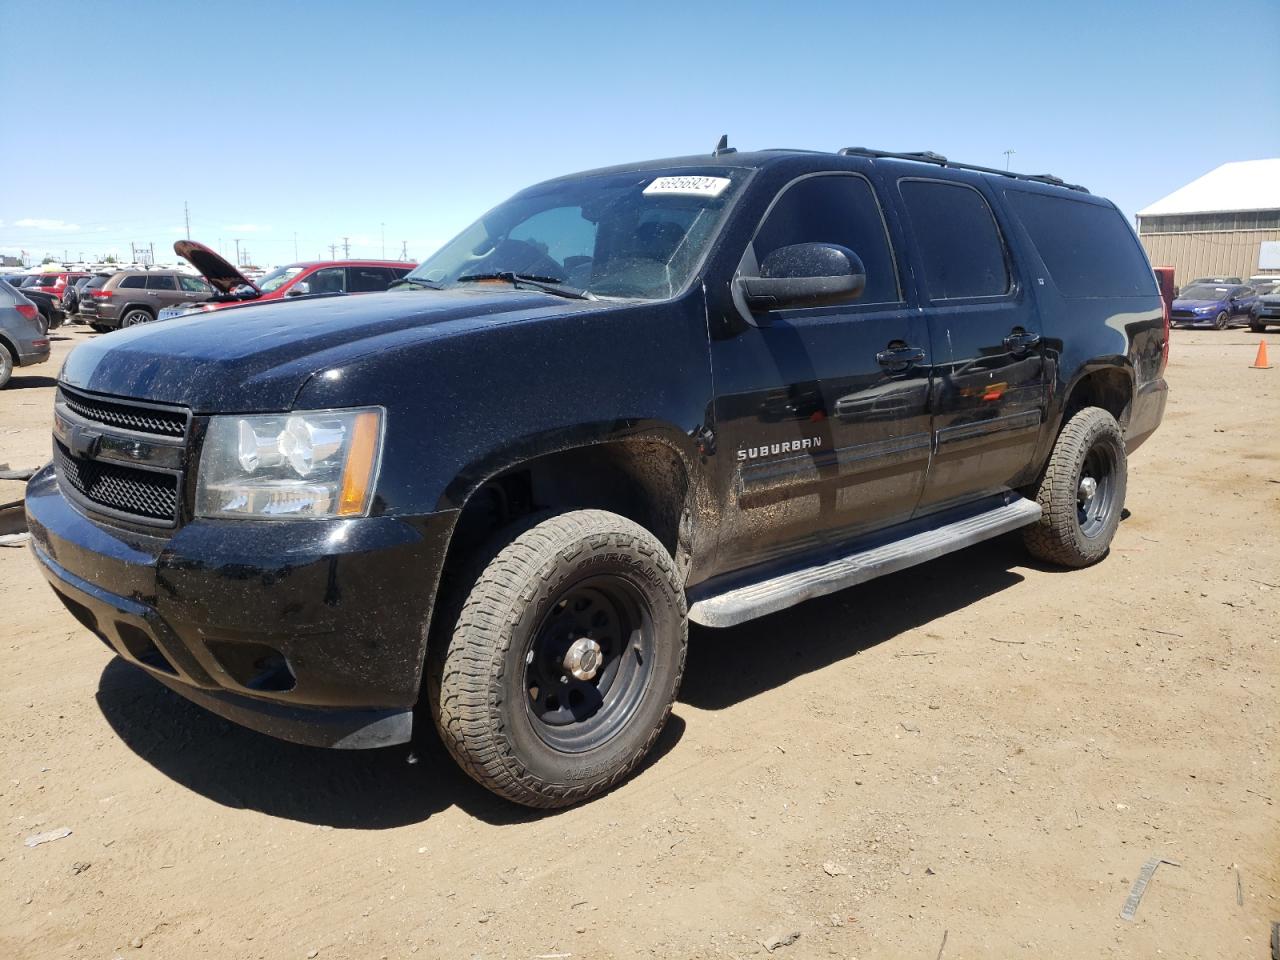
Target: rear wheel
(99, 327)
(564, 661)
(1081, 494)
(136, 315)
(6, 366)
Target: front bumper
(1269, 311)
(311, 631)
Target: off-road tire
(476, 671)
(1057, 536)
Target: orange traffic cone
(1260, 362)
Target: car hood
(212, 266)
(1194, 304)
(259, 357)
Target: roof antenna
(723, 146)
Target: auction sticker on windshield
(688, 186)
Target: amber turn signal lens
(362, 460)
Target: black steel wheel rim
(1096, 489)
(611, 617)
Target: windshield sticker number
(687, 186)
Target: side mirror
(805, 275)
(299, 289)
(244, 292)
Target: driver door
(823, 432)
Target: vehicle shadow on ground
(728, 666)
(380, 789)
(353, 789)
(18, 382)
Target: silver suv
(131, 297)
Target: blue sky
(328, 120)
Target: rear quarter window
(1087, 248)
(138, 282)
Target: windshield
(635, 235)
(277, 278)
(1203, 293)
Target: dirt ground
(973, 758)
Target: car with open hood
(304, 279)
(1216, 305)
(493, 498)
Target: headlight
(310, 463)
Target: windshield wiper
(546, 284)
(417, 282)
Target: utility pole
(346, 248)
(186, 214)
(404, 250)
(239, 262)
(1007, 155)
(153, 255)
(333, 251)
(295, 244)
(383, 226)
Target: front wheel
(564, 662)
(1221, 320)
(1081, 493)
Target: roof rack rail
(928, 156)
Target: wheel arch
(647, 474)
(134, 306)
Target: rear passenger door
(989, 381)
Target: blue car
(1215, 305)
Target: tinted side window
(136, 282)
(1087, 248)
(328, 280)
(959, 242)
(161, 282)
(367, 279)
(834, 209)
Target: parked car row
(1217, 303)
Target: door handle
(899, 356)
(1019, 341)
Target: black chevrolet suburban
(701, 389)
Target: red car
(53, 283)
(295, 280)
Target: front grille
(144, 419)
(115, 487)
(1183, 315)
